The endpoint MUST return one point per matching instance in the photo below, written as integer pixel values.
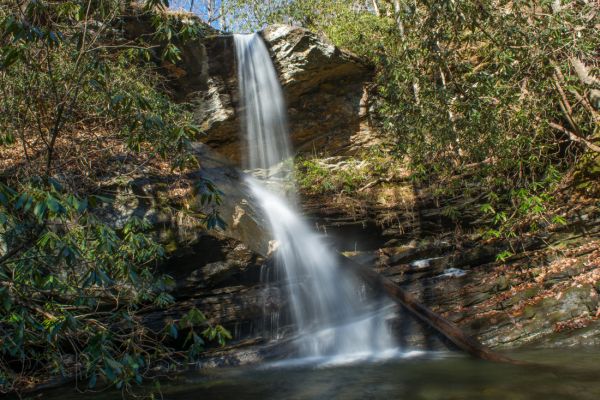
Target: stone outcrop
(179, 220)
(546, 294)
(216, 270)
(551, 301)
(326, 91)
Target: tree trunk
(446, 328)
(376, 8)
(397, 15)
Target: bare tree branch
(576, 138)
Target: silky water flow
(334, 316)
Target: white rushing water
(335, 317)
(264, 117)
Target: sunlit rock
(326, 90)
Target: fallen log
(446, 328)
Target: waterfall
(333, 312)
(264, 118)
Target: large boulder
(173, 204)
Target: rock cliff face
(216, 270)
(543, 294)
(546, 294)
(178, 219)
(326, 91)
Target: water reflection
(571, 374)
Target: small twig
(586, 104)
(575, 138)
(564, 102)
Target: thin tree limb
(575, 138)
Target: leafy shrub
(71, 286)
(503, 94)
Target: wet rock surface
(217, 271)
(547, 290)
(173, 204)
(326, 89)
(546, 294)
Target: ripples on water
(571, 374)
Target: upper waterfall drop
(332, 311)
(264, 116)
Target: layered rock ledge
(326, 89)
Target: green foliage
(71, 285)
(522, 210)
(195, 319)
(345, 174)
(210, 195)
(492, 91)
(62, 271)
(314, 176)
(90, 84)
(467, 82)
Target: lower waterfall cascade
(332, 312)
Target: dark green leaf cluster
(71, 285)
(68, 281)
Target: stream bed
(556, 374)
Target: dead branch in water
(446, 328)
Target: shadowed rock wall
(326, 91)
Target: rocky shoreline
(546, 289)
